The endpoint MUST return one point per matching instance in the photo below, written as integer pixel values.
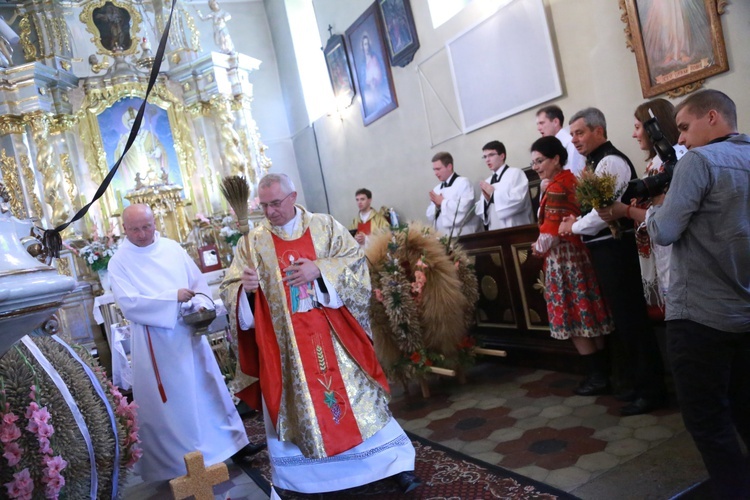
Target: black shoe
(626, 396)
(593, 387)
(246, 453)
(641, 406)
(407, 481)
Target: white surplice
(199, 414)
(458, 200)
(511, 203)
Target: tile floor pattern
(530, 421)
(522, 419)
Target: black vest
(592, 160)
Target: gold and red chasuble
(312, 333)
(364, 227)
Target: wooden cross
(199, 481)
(330, 31)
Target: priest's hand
(301, 272)
(249, 280)
(360, 237)
(184, 294)
(487, 189)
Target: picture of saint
(339, 71)
(676, 37)
(113, 24)
(375, 91)
(147, 156)
(396, 24)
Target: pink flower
(9, 418)
(54, 464)
(44, 446)
(378, 295)
(135, 455)
(13, 453)
(31, 409)
(22, 485)
(9, 433)
(32, 394)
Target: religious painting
(399, 31)
(677, 43)
(338, 70)
(372, 73)
(114, 24)
(151, 160)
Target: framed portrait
(152, 158)
(338, 70)
(210, 260)
(399, 31)
(372, 73)
(677, 43)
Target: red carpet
(446, 474)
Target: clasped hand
(300, 272)
(487, 189)
(437, 199)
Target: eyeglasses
(274, 204)
(538, 161)
(488, 155)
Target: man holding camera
(706, 218)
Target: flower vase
(104, 280)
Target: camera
(655, 184)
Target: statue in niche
(8, 38)
(113, 24)
(219, 18)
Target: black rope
(51, 239)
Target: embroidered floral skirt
(574, 302)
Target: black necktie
(443, 185)
(494, 179)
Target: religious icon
(338, 70)
(113, 23)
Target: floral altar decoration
(97, 252)
(423, 303)
(57, 411)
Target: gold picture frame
(114, 24)
(675, 49)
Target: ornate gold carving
(235, 162)
(489, 287)
(534, 316)
(721, 6)
(69, 177)
(523, 256)
(30, 180)
(62, 123)
(52, 177)
(29, 49)
(65, 65)
(686, 89)
(195, 37)
(63, 267)
(625, 19)
(87, 17)
(37, 26)
(540, 284)
(186, 87)
(10, 178)
(497, 259)
(10, 124)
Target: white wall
(392, 155)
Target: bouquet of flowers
(97, 252)
(596, 191)
(229, 231)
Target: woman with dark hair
(654, 258)
(575, 305)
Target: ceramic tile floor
(528, 421)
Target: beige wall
(392, 155)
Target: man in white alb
(183, 403)
(505, 200)
(549, 122)
(451, 201)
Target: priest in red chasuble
(299, 304)
(367, 220)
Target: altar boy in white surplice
(183, 404)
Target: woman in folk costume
(654, 259)
(575, 305)
(183, 403)
(299, 304)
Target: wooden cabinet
(512, 312)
